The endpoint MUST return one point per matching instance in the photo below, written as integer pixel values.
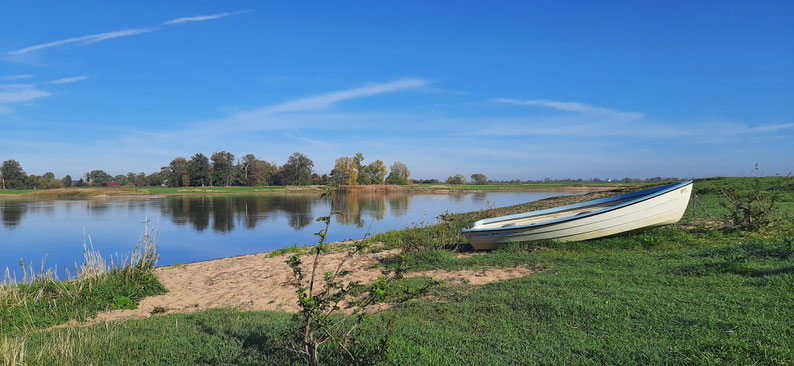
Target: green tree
(176, 173)
(399, 174)
(479, 178)
(52, 184)
(245, 168)
(121, 178)
(374, 173)
(198, 169)
(12, 175)
(140, 179)
(297, 170)
(155, 179)
(223, 169)
(67, 180)
(97, 177)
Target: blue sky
(509, 89)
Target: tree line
(219, 169)
(222, 169)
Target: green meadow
(690, 293)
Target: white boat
(587, 220)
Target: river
(196, 228)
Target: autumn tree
(479, 178)
(261, 173)
(456, 179)
(345, 170)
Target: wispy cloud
(91, 38)
(15, 77)
(572, 107)
(288, 115)
(18, 93)
(325, 100)
(94, 38)
(68, 80)
(200, 18)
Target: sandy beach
(262, 282)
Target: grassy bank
(84, 192)
(690, 293)
(40, 300)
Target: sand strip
(260, 282)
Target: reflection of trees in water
(399, 203)
(359, 208)
(223, 213)
(11, 212)
(198, 212)
(479, 196)
(457, 197)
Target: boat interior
(552, 216)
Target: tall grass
(41, 300)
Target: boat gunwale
(641, 195)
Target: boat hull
(662, 209)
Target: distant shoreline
(129, 192)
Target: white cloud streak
(201, 18)
(68, 80)
(283, 116)
(94, 38)
(18, 93)
(326, 100)
(573, 107)
(16, 77)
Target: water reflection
(196, 228)
(224, 213)
(11, 212)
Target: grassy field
(691, 293)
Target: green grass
(683, 294)
(40, 300)
(14, 192)
(44, 303)
(536, 186)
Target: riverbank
(690, 292)
(100, 192)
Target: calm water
(194, 228)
